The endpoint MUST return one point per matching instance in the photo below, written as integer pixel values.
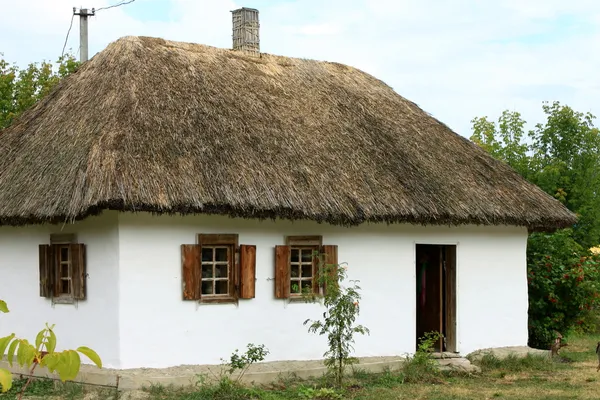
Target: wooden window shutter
(191, 271)
(46, 271)
(282, 272)
(247, 271)
(78, 270)
(331, 261)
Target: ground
(531, 378)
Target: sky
(457, 59)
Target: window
(217, 270)
(297, 266)
(304, 252)
(64, 272)
(217, 260)
(62, 266)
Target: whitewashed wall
(93, 322)
(158, 329)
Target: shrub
(563, 280)
(421, 367)
(342, 308)
(242, 362)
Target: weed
(321, 393)
(421, 367)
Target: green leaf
(4, 344)
(70, 362)
(91, 354)
(50, 361)
(51, 341)
(3, 306)
(21, 353)
(26, 353)
(39, 339)
(11, 351)
(5, 380)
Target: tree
(22, 88)
(341, 310)
(19, 90)
(562, 157)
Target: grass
(531, 377)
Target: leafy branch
(42, 353)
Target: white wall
(92, 322)
(158, 329)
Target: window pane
(295, 271)
(295, 255)
(221, 271)
(207, 271)
(64, 270)
(295, 287)
(307, 286)
(207, 287)
(64, 254)
(306, 270)
(221, 254)
(207, 254)
(221, 287)
(307, 255)
(64, 286)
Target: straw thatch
(169, 127)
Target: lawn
(530, 378)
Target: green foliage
(421, 367)
(242, 362)
(66, 363)
(39, 387)
(225, 389)
(321, 393)
(564, 281)
(22, 88)
(342, 308)
(562, 157)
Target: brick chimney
(246, 30)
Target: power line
(115, 5)
(67, 38)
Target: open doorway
(436, 293)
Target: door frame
(450, 291)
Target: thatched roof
(169, 127)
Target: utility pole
(83, 13)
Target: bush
(563, 280)
(421, 367)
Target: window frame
(59, 241)
(57, 249)
(230, 241)
(302, 243)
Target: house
(168, 196)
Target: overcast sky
(457, 59)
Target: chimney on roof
(245, 30)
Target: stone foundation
(262, 373)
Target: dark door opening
(436, 293)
